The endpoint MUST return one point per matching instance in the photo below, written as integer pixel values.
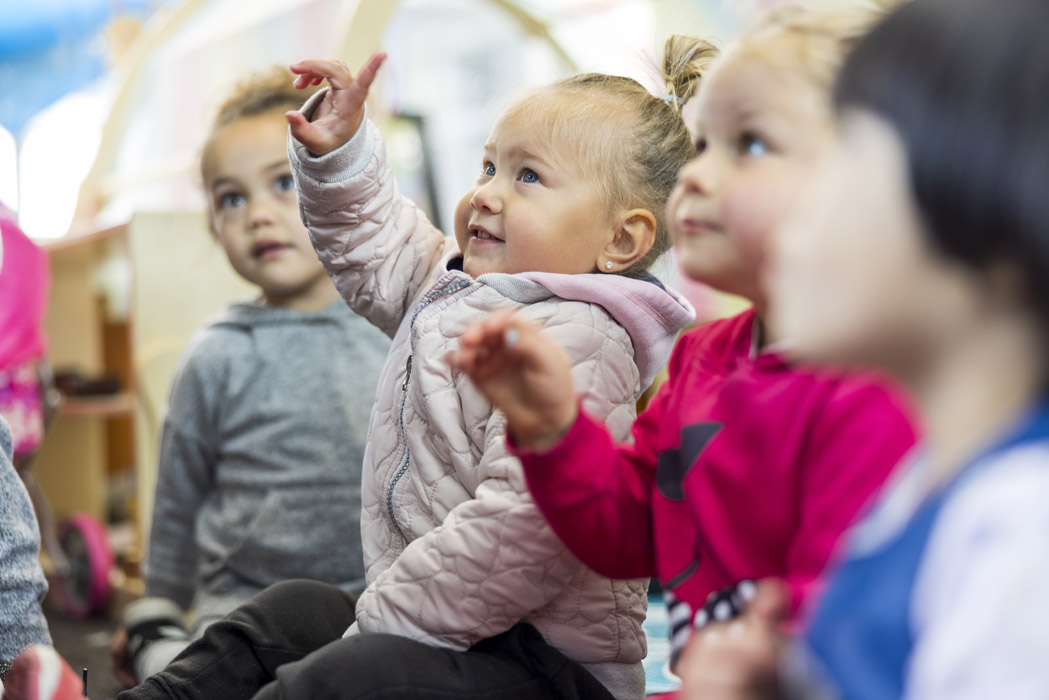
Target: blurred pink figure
(25, 278)
(24, 282)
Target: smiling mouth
(695, 227)
(482, 235)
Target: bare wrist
(546, 436)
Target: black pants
(286, 643)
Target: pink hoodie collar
(652, 315)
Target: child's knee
(292, 590)
(300, 607)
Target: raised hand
(522, 373)
(739, 659)
(339, 115)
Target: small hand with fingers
(524, 374)
(737, 658)
(338, 116)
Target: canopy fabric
(49, 48)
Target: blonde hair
(632, 142)
(257, 94)
(824, 32)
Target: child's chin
(819, 349)
(695, 265)
(475, 267)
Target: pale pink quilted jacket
(455, 550)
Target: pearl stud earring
(608, 264)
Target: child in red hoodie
(744, 465)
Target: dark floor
(85, 645)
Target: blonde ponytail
(685, 61)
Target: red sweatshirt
(742, 467)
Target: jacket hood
(651, 314)
(249, 314)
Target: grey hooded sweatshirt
(260, 458)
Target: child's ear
(633, 240)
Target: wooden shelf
(115, 406)
(135, 331)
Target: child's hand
(739, 659)
(120, 658)
(339, 115)
(523, 374)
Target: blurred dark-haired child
(922, 248)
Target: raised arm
(378, 247)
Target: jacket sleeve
(377, 246)
(598, 495)
(493, 560)
(22, 582)
(862, 432)
(185, 471)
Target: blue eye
(487, 169)
(230, 200)
(753, 146)
(529, 176)
(284, 183)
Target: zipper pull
(407, 374)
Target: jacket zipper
(407, 374)
(430, 297)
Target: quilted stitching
(479, 556)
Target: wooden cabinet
(92, 438)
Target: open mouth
(265, 250)
(482, 235)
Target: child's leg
(158, 656)
(516, 664)
(240, 654)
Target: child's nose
(487, 198)
(260, 213)
(699, 176)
